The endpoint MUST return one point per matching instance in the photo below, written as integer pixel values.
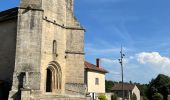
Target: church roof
(9, 14)
(92, 67)
(125, 86)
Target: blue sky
(141, 26)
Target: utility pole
(121, 63)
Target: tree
(108, 85)
(143, 89)
(159, 84)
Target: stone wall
(36, 4)
(50, 33)
(75, 56)
(55, 10)
(8, 31)
(28, 50)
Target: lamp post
(121, 63)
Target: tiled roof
(92, 67)
(8, 14)
(125, 87)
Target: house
(130, 91)
(95, 78)
(42, 51)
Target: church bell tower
(49, 61)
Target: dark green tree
(108, 85)
(143, 89)
(159, 84)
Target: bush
(102, 97)
(157, 96)
(114, 97)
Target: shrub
(157, 96)
(102, 97)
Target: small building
(130, 91)
(95, 79)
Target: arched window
(53, 77)
(54, 47)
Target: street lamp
(121, 63)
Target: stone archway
(53, 77)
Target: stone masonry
(46, 51)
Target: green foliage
(143, 89)
(102, 97)
(114, 97)
(109, 85)
(159, 84)
(157, 96)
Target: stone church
(42, 52)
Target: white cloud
(157, 62)
(153, 58)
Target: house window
(97, 81)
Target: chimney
(98, 62)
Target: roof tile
(93, 67)
(125, 86)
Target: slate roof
(9, 14)
(125, 87)
(92, 67)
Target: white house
(95, 78)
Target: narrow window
(49, 81)
(97, 81)
(54, 47)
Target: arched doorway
(49, 81)
(53, 77)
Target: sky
(142, 27)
